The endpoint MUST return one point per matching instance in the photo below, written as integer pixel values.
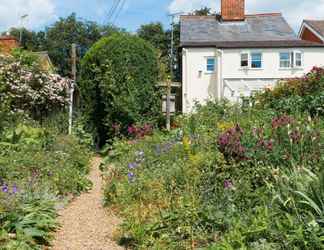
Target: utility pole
(22, 18)
(74, 72)
(169, 83)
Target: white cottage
(234, 54)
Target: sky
(42, 13)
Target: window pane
(284, 64)
(211, 61)
(284, 56)
(285, 61)
(256, 64)
(256, 56)
(211, 64)
(256, 60)
(298, 60)
(210, 68)
(244, 60)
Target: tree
(58, 38)
(156, 35)
(30, 40)
(119, 77)
(66, 31)
(205, 11)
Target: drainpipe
(220, 89)
(185, 81)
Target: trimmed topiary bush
(118, 87)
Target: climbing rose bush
(31, 89)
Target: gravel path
(85, 224)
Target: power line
(112, 10)
(119, 10)
(113, 6)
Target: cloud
(40, 13)
(294, 11)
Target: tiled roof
(265, 29)
(317, 25)
(255, 44)
(8, 38)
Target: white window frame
(301, 59)
(292, 59)
(286, 60)
(248, 60)
(251, 56)
(215, 64)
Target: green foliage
(25, 57)
(119, 78)
(227, 178)
(39, 170)
(26, 88)
(204, 11)
(304, 94)
(57, 39)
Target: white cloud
(40, 12)
(294, 11)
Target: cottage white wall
(198, 84)
(230, 80)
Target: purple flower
(228, 184)
(131, 177)
(132, 165)
(5, 188)
(14, 189)
(295, 136)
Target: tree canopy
(57, 39)
(119, 78)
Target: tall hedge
(118, 87)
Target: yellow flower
(223, 126)
(186, 143)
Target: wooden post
(168, 106)
(74, 71)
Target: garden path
(85, 224)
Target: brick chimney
(7, 44)
(233, 10)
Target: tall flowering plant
(30, 88)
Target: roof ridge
(265, 14)
(215, 15)
(314, 20)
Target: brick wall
(310, 36)
(233, 10)
(7, 43)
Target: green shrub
(305, 94)
(38, 171)
(119, 79)
(226, 178)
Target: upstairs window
(292, 59)
(211, 64)
(256, 60)
(244, 60)
(285, 60)
(298, 59)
